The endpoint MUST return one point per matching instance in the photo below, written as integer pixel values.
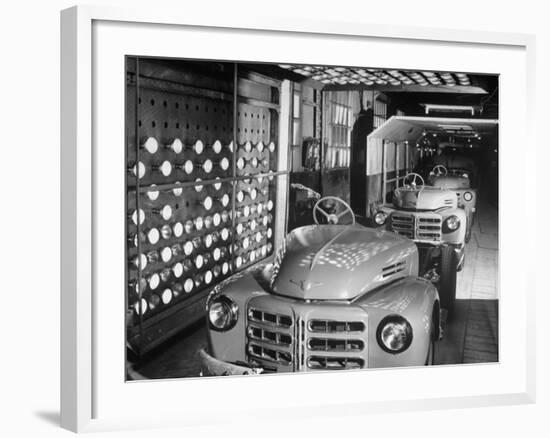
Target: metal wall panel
(201, 188)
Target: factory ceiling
(345, 78)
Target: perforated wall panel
(200, 193)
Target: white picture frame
(86, 368)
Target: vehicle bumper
(460, 253)
(426, 248)
(210, 366)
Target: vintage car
(429, 216)
(458, 161)
(337, 296)
(458, 181)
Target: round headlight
(394, 334)
(380, 218)
(222, 313)
(468, 196)
(452, 223)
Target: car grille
(269, 318)
(335, 344)
(340, 345)
(330, 326)
(417, 226)
(270, 336)
(300, 341)
(270, 354)
(335, 363)
(403, 224)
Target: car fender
(455, 237)
(413, 298)
(240, 288)
(468, 206)
(387, 209)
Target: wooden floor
(470, 337)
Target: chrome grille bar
(335, 345)
(417, 226)
(334, 363)
(330, 326)
(270, 337)
(343, 346)
(284, 321)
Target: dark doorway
(358, 180)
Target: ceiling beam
(457, 89)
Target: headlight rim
(233, 309)
(447, 228)
(389, 319)
(468, 193)
(385, 215)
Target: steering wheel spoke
(332, 217)
(342, 213)
(413, 183)
(319, 208)
(440, 170)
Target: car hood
(451, 182)
(424, 198)
(340, 262)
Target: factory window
(305, 129)
(380, 111)
(337, 142)
(296, 114)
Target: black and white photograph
(309, 219)
(290, 218)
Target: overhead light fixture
(455, 127)
(433, 107)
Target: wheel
(131, 355)
(447, 279)
(431, 350)
(435, 335)
(469, 225)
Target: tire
(469, 225)
(447, 279)
(431, 350)
(131, 356)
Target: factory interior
(225, 159)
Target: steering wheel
(332, 218)
(439, 170)
(413, 183)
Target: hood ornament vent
(305, 285)
(393, 269)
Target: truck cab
(430, 217)
(459, 181)
(337, 296)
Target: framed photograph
(251, 212)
